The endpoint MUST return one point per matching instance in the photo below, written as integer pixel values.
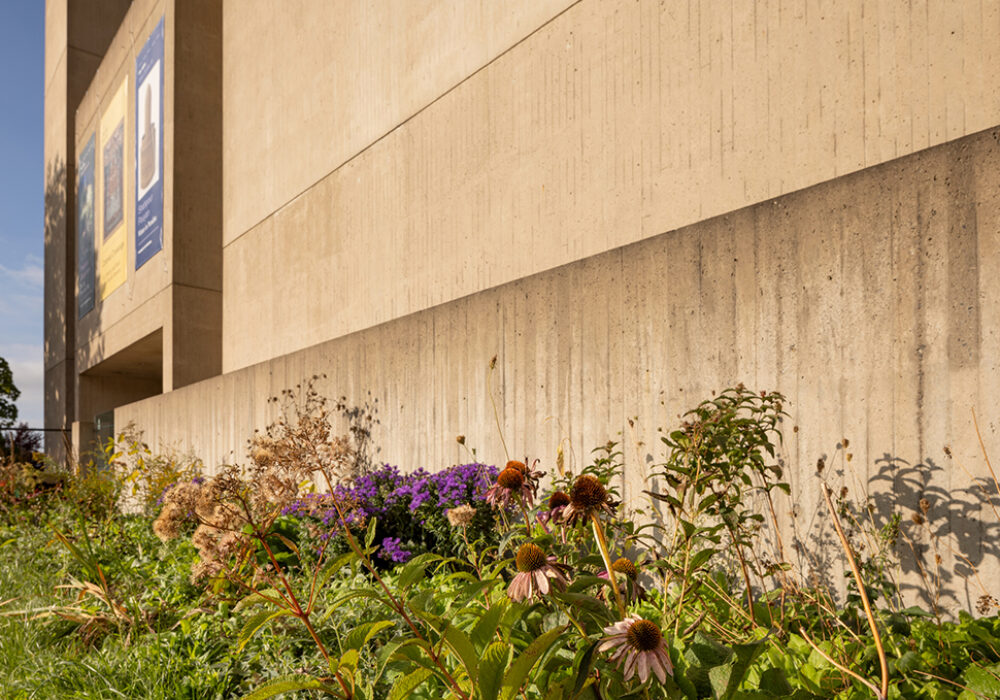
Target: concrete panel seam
(195, 286)
(82, 50)
(55, 72)
(408, 119)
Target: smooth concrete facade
(614, 121)
(631, 204)
(162, 328)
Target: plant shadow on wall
(922, 537)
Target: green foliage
(8, 396)
(97, 606)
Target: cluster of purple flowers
(410, 508)
(386, 488)
(392, 551)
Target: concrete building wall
(632, 204)
(614, 121)
(867, 300)
(162, 327)
(141, 305)
(76, 36)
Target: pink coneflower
(625, 567)
(587, 497)
(557, 503)
(638, 643)
(531, 475)
(534, 573)
(510, 483)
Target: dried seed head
(588, 492)
(925, 505)
(460, 439)
(460, 516)
(511, 479)
(644, 635)
(986, 603)
(530, 557)
(626, 567)
(917, 518)
(557, 499)
(514, 464)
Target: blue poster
(85, 263)
(149, 148)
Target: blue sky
(22, 44)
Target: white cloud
(29, 376)
(31, 275)
(21, 304)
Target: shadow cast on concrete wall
(58, 292)
(949, 527)
(938, 529)
(63, 325)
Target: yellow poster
(113, 253)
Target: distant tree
(21, 443)
(8, 395)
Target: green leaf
(460, 644)
(370, 534)
(414, 569)
(700, 558)
(405, 685)
(774, 681)
(255, 623)
(908, 661)
(726, 679)
(525, 661)
(360, 635)
(583, 663)
(487, 626)
(363, 593)
(491, 668)
(258, 598)
(983, 680)
(333, 567)
(348, 660)
(286, 684)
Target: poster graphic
(85, 272)
(113, 253)
(114, 178)
(149, 148)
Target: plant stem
(602, 543)
(397, 605)
(496, 412)
(579, 627)
(883, 664)
(524, 511)
(841, 667)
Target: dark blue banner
(149, 148)
(85, 257)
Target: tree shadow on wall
(57, 295)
